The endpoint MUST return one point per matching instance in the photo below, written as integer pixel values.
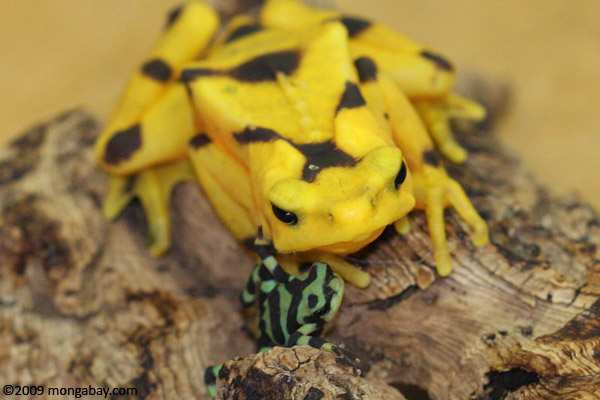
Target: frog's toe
(402, 226)
(461, 107)
(462, 204)
(436, 114)
(344, 357)
(437, 229)
(118, 196)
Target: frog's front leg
(434, 190)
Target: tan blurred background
(57, 54)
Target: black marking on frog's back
(122, 145)
(191, 74)
(256, 135)
(322, 155)
(264, 67)
(367, 69)
(173, 16)
(200, 140)
(242, 31)
(351, 98)
(158, 70)
(318, 155)
(313, 299)
(296, 290)
(439, 61)
(431, 158)
(355, 25)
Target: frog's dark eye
(320, 312)
(401, 176)
(285, 216)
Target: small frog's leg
(264, 343)
(264, 249)
(302, 337)
(210, 379)
(186, 38)
(153, 187)
(436, 114)
(433, 188)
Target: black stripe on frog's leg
(430, 157)
(173, 16)
(265, 67)
(122, 145)
(366, 68)
(158, 70)
(248, 296)
(200, 140)
(276, 318)
(316, 342)
(351, 98)
(242, 31)
(439, 61)
(354, 25)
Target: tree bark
(83, 304)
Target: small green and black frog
(292, 309)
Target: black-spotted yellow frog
(316, 126)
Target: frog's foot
(402, 226)
(153, 188)
(344, 356)
(436, 115)
(442, 191)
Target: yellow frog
(314, 126)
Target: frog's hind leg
(153, 187)
(437, 113)
(152, 119)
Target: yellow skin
(301, 126)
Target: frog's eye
(286, 217)
(401, 176)
(321, 311)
